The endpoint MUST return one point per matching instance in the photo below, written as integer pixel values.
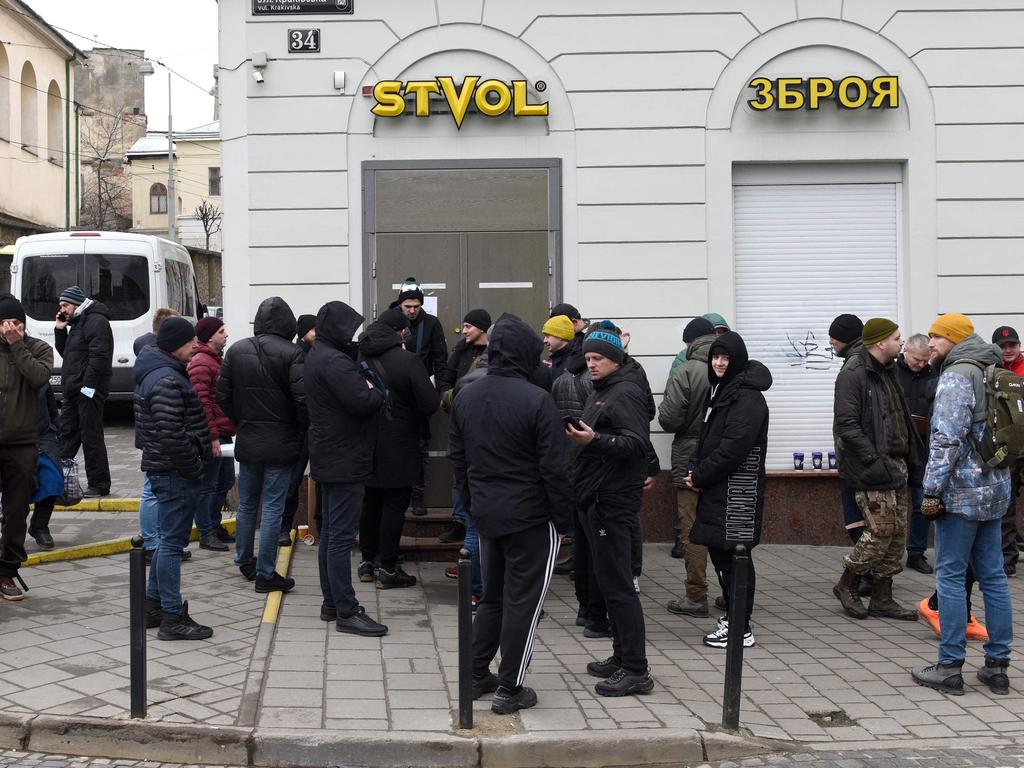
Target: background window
(158, 198)
(214, 174)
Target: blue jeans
(471, 542)
(218, 478)
(917, 535)
(149, 520)
(272, 481)
(341, 509)
(959, 542)
(176, 499)
(459, 513)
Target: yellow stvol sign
(491, 97)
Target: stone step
(428, 550)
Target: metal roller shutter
(805, 253)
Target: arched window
(5, 95)
(29, 107)
(158, 198)
(54, 124)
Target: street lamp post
(146, 68)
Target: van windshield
(118, 280)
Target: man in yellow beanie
(968, 501)
(558, 333)
(879, 451)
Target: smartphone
(573, 421)
(62, 317)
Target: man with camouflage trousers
(879, 451)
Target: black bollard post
(734, 648)
(465, 641)
(137, 622)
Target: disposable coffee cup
(816, 458)
(303, 531)
(832, 464)
(798, 460)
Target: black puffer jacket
(426, 341)
(863, 429)
(86, 347)
(261, 390)
(343, 411)
(459, 364)
(614, 465)
(412, 399)
(170, 424)
(728, 467)
(506, 440)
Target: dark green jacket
(682, 409)
(25, 367)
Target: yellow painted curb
(103, 505)
(273, 606)
(100, 548)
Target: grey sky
(181, 33)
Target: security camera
(257, 76)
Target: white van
(134, 275)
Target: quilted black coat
(86, 347)
(170, 424)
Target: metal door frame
(552, 164)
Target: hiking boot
(975, 630)
(181, 626)
(360, 624)
(275, 583)
(484, 684)
(850, 599)
(721, 604)
(43, 538)
(940, 677)
(9, 590)
(94, 493)
(154, 614)
(284, 539)
(506, 702)
(566, 566)
(224, 535)
(865, 585)
(930, 616)
(416, 504)
(581, 617)
(595, 630)
(687, 606)
(365, 571)
(605, 668)
(677, 550)
(720, 637)
(993, 674)
(211, 542)
(622, 682)
(453, 534)
(395, 579)
(248, 570)
(920, 564)
(328, 614)
(883, 605)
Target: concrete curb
(100, 548)
(285, 749)
(103, 504)
(14, 730)
(596, 750)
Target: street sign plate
(299, 7)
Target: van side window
(180, 293)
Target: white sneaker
(720, 637)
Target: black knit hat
(568, 310)
(304, 325)
(393, 319)
(410, 290)
(173, 333)
(606, 343)
(478, 318)
(10, 308)
(699, 326)
(846, 328)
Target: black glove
(932, 508)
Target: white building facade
(776, 161)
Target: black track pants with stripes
(517, 571)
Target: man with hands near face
(25, 366)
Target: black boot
(845, 590)
(940, 677)
(154, 615)
(181, 626)
(993, 674)
(416, 504)
(882, 603)
(506, 702)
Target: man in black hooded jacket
(611, 469)
(510, 457)
(411, 399)
(260, 389)
(343, 409)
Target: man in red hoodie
(219, 474)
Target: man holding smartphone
(85, 342)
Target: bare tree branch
(210, 217)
